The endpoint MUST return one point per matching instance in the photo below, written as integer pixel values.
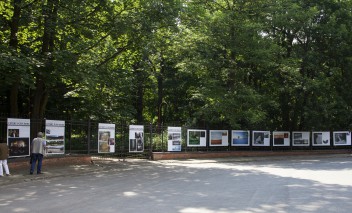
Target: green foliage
(278, 65)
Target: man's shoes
(31, 173)
(8, 174)
(39, 173)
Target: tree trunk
(41, 94)
(14, 25)
(40, 97)
(140, 94)
(160, 79)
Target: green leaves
(235, 64)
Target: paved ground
(294, 184)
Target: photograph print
(300, 138)
(13, 133)
(261, 138)
(281, 138)
(321, 138)
(137, 142)
(219, 138)
(342, 138)
(103, 141)
(18, 147)
(196, 137)
(240, 138)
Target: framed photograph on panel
(342, 138)
(300, 138)
(196, 137)
(240, 138)
(281, 138)
(321, 138)
(261, 138)
(219, 138)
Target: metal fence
(81, 137)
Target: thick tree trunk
(38, 100)
(14, 25)
(41, 93)
(40, 97)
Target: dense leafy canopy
(273, 64)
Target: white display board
(261, 138)
(174, 139)
(106, 138)
(136, 138)
(196, 137)
(219, 138)
(342, 138)
(281, 138)
(240, 138)
(300, 138)
(55, 136)
(321, 138)
(18, 136)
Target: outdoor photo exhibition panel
(281, 138)
(261, 138)
(219, 138)
(18, 134)
(342, 138)
(300, 138)
(174, 139)
(136, 138)
(240, 138)
(55, 136)
(106, 138)
(321, 138)
(196, 137)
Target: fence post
(88, 137)
(162, 136)
(70, 136)
(151, 141)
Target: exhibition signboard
(106, 138)
(136, 138)
(281, 138)
(55, 136)
(174, 139)
(300, 138)
(342, 138)
(240, 138)
(321, 138)
(18, 137)
(261, 138)
(196, 138)
(219, 138)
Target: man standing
(38, 150)
(4, 154)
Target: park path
(239, 185)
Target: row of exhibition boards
(18, 137)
